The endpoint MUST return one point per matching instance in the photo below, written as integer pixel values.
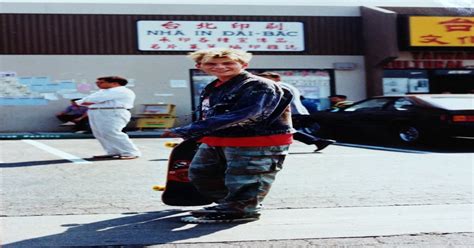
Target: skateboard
(179, 191)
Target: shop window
(400, 82)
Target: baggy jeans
(237, 178)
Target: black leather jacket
(245, 106)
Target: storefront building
(426, 50)
(53, 52)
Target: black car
(405, 118)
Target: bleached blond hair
(240, 56)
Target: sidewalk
(163, 227)
(71, 135)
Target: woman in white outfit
(109, 114)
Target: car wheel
(409, 134)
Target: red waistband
(270, 140)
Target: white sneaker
(69, 123)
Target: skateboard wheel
(171, 144)
(159, 188)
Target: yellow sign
(441, 31)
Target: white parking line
(57, 152)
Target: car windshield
(451, 102)
(371, 104)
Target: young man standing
(245, 130)
(109, 114)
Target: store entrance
(455, 81)
(452, 81)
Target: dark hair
(74, 99)
(114, 79)
(338, 96)
(269, 74)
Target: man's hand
(169, 134)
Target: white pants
(107, 125)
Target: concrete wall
(151, 75)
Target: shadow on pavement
(34, 163)
(135, 229)
(159, 159)
(49, 162)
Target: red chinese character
(155, 46)
(458, 24)
(211, 45)
(184, 39)
(193, 46)
(290, 47)
(242, 40)
(171, 46)
(272, 47)
(206, 25)
(262, 40)
(466, 39)
(280, 40)
(254, 46)
(432, 39)
(240, 25)
(273, 25)
(164, 39)
(203, 40)
(223, 40)
(171, 25)
(235, 47)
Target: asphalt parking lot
(347, 194)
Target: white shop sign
(196, 35)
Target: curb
(64, 135)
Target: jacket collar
(237, 79)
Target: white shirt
(116, 97)
(297, 107)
